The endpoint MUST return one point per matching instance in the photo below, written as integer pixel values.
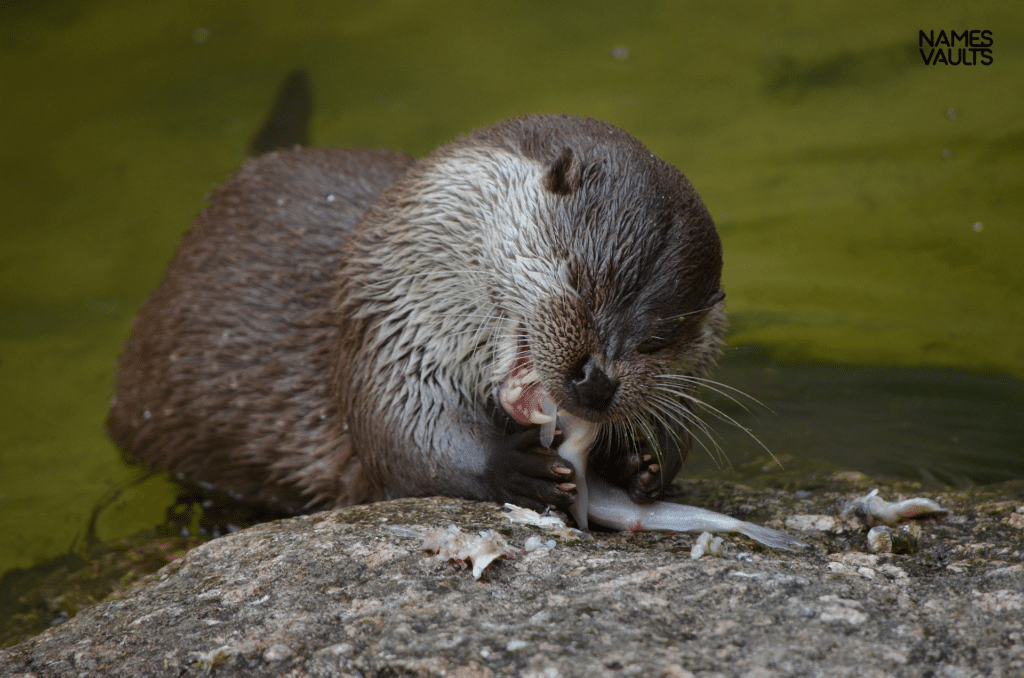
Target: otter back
(225, 376)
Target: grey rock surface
(351, 593)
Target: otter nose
(593, 387)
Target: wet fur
(334, 324)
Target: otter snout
(592, 387)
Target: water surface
(870, 206)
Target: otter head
(611, 283)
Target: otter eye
(652, 345)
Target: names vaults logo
(969, 48)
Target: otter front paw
(644, 475)
(635, 467)
(523, 472)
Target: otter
(347, 326)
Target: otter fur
(346, 326)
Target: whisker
(678, 412)
(698, 311)
(720, 415)
(716, 386)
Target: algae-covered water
(871, 206)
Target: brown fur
(225, 378)
(331, 328)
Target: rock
(352, 593)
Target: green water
(870, 206)
(938, 426)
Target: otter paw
(525, 473)
(645, 475)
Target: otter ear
(563, 177)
